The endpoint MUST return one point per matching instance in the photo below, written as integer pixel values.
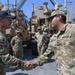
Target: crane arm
(20, 4)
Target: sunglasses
(51, 18)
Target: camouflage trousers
(3, 69)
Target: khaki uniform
(6, 59)
(16, 44)
(63, 45)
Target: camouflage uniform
(44, 43)
(16, 44)
(38, 38)
(63, 45)
(6, 59)
(47, 34)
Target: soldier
(38, 37)
(16, 44)
(62, 43)
(6, 59)
(45, 39)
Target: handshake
(29, 65)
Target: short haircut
(63, 18)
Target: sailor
(17, 44)
(38, 37)
(6, 59)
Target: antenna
(8, 5)
(15, 4)
(65, 4)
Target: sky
(27, 7)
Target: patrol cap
(6, 14)
(56, 12)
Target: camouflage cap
(57, 12)
(54, 13)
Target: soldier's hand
(26, 65)
(29, 65)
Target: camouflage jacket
(63, 45)
(18, 41)
(5, 57)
